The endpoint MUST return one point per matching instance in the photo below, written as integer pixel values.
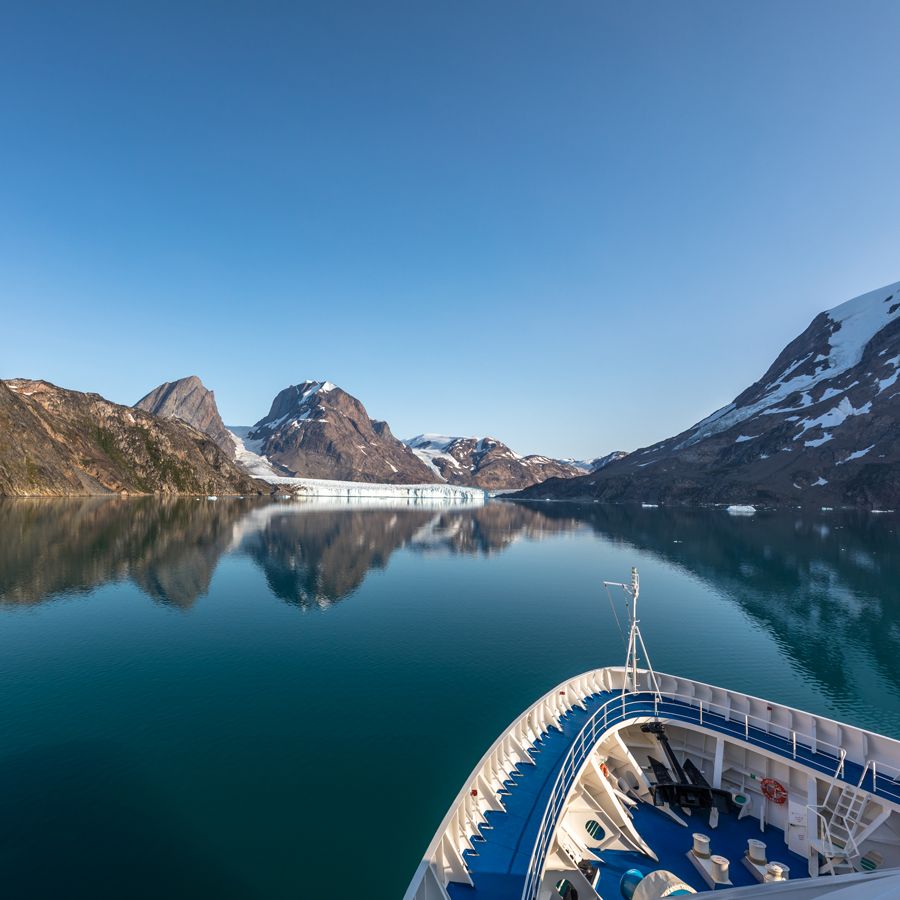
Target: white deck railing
(756, 730)
(765, 724)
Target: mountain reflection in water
(825, 585)
(311, 554)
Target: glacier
(246, 453)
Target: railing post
(794, 742)
(656, 706)
(747, 726)
(701, 712)
(874, 778)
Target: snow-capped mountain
(597, 463)
(317, 430)
(191, 401)
(485, 462)
(821, 427)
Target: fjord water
(266, 699)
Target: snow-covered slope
(822, 426)
(833, 344)
(246, 452)
(595, 465)
(485, 462)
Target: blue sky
(575, 226)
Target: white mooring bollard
(701, 845)
(719, 868)
(756, 851)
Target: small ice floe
(827, 508)
(649, 505)
(211, 497)
(881, 512)
(738, 509)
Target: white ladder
(839, 824)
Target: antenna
(636, 647)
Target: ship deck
(499, 864)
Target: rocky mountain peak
(191, 401)
(485, 462)
(300, 403)
(317, 430)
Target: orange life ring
(604, 769)
(774, 790)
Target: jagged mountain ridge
(317, 430)
(191, 401)
(486, 462)
(57, 442)
(819, 428)
(597, 463)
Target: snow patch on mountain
(891, 380)
(859, 320)
(432, 447)
(858, 454)
(835, 416)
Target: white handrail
(649, 704)
(443, 860)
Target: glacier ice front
(314, 487)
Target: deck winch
(688, 788)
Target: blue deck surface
(500, 864)
(671, 842)
(502, 859)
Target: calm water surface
(247, 699)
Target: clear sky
(574, 226)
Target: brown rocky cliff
(57, 442)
